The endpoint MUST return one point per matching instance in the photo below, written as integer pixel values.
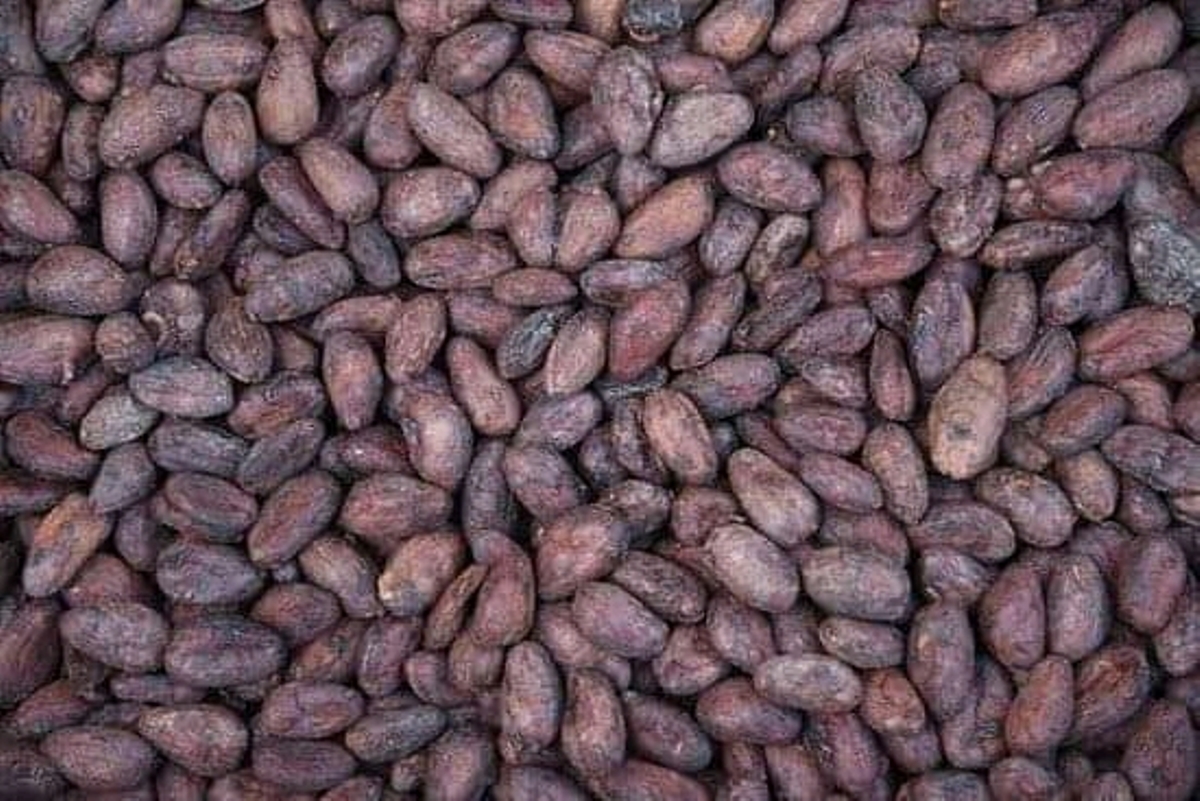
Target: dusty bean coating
(615, 399)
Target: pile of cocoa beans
(633, 400)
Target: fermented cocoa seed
(629, 400)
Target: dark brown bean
(645, 399)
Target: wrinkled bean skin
(618, 399)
